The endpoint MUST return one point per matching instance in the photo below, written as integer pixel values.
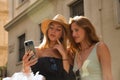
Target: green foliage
(3, 72)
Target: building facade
(26, 16)
(3, 33)
(3, 37)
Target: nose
(53, 30)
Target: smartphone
(29, 46)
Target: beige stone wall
(3, 33)
(16, 7)
(3, 55)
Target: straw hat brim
(45, 24)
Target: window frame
(117, 14)
(74, 4)
(21, 43)
(41, 34)
(20, 3)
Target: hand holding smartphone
(29, 46)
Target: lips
(52, 35)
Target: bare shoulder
(101, 45)
(102, 49)
(38, 51)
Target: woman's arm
(105, 60)
(65, 58)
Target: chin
(53, 40)
(77, 41)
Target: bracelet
(65, 59)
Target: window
(21, 1)
(117, 13)
(77, 8)
(21, 46)
(41, 34)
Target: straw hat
(58, 18)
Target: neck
(85, 45)
(52, 44)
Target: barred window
(21, 1)
(117, 14)
(77, 8)
(41, 34)
(21, 46)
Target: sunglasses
(77, 74)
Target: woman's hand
(61, 49)
(27, 61)
(64, 55)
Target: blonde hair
(45, 43)
(90, 32)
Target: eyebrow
(60, 26)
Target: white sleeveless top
(91, 68)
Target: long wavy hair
(46, 41)
(90, 33)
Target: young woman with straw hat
(53, 61)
